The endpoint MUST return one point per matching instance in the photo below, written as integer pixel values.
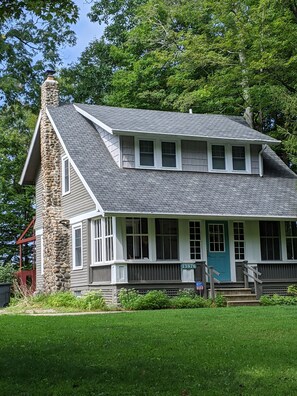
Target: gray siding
(78, 201)
(112, 143)
(128, 152)
(101, 274)
(255, 149)
(38, 198)
(194, 156)
(39, 277)
(80, 278)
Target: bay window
(137, 238)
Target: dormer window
(229, 158)
(168, 155)
(158, 154)
(65, 176)
(146, 153)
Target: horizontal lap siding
(128, 151)
(194, 156)
(80, 278)
(38, 197)
(78, 201)
(255, 149)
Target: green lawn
(231, 351)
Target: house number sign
(188, 266)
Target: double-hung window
(108, 239)
(158, 154)
(146, 153)
(270, 240)
(195, 240)
(167, 239)
(291, 239)
(168, 155)
(238, 229)
(65, 176)
(98, 241)
(229, 158)
(77, 247)
(137, 238)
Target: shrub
(187, 301)
(128, 298)
(154, 299)
(278, 300)
(7, 273)
(220, 301)
(91, 301)
(292, 289)
(62, 299)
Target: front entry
(218, 255)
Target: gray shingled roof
(172, 123)
(172, 192)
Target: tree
(31, 34)
(17, 202)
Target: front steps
(238, 296)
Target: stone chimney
(56, 255)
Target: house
(138, 198)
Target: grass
(234, 351)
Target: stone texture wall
(56, 255)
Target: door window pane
(216, 238)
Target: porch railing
(250, 272)
(208, 275)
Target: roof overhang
(28, 175)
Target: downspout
(261, 170)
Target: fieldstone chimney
(56, 255)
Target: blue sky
(86, 31)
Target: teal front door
(218, 255)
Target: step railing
(251, 272)
(208, 276)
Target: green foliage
(128, 298)
(278, 300)
(187, 301)
(154, 299)
(61, 300)
(220, 301)
(17, 202)
(91, 301)
(292, 289)
(7, 273)
(31, 34)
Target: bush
(62, 299)
(154, 299)
(220, 301)
(292, 289)
(128, 298)
(7, 273)
(188, 301)
(91, 301)
(278, 300)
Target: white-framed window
(239, 250)
(229, 158)
(195, 240)
(158, 154)
(166, 239)
(102, 244)
(137, 238)
(108, 239)
(77, 246)
(97, 241)
(291, 239)
(65, 175)
(270, 240)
